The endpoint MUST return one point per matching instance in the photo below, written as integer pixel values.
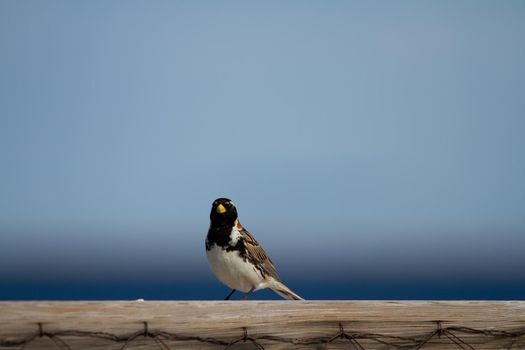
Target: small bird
(236, 258)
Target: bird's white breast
(232, 270)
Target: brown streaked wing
(258, 254)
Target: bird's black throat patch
(219, 235)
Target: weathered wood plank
(373, 323)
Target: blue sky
(362, 141)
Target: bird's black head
(223, 212)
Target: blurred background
(374, 149)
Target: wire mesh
(453, 334)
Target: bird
(236, 258)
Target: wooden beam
(273, 325)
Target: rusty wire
(453, 334)
(352, 338)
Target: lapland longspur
(236, 258)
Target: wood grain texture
(223, 321)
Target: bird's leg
(247, 295)
(229, 295)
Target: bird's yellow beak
(220, 209)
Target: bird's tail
(285, 292)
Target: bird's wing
(258, 255)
